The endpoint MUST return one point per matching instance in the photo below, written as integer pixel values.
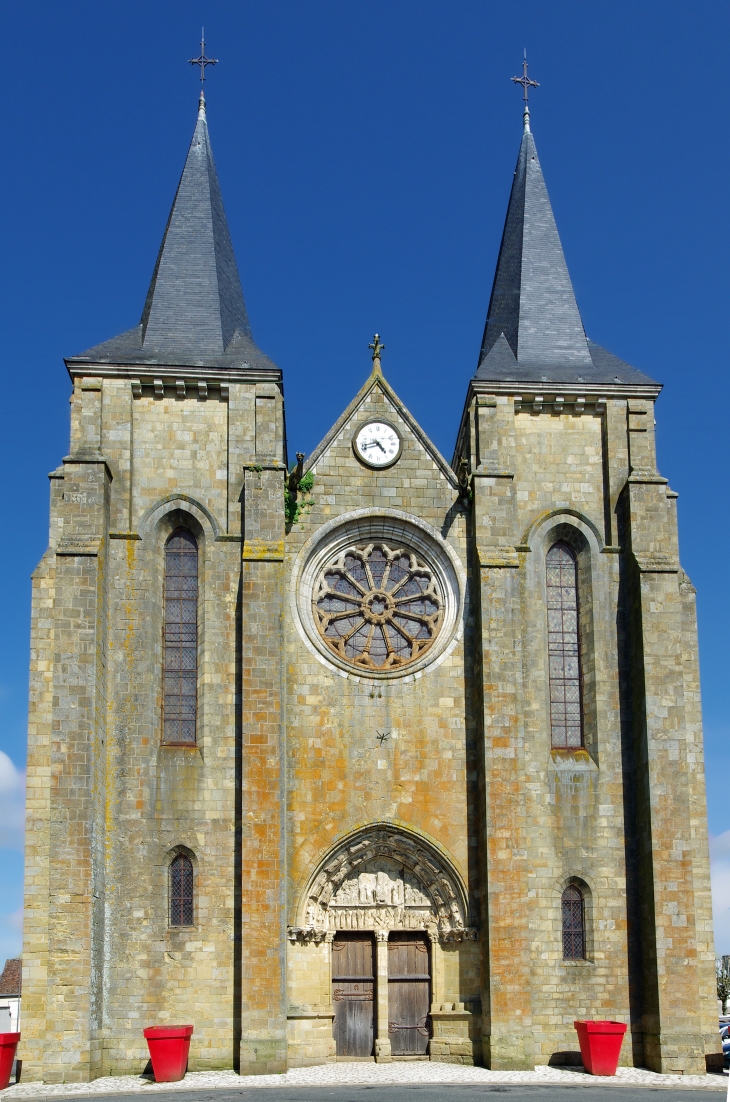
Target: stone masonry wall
(288, 761)
(340, 777)
(542, 475)
(170, 460)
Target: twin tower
(379, 756)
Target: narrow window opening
(566, 706)
(574, 925)
(180, 638)
(181, 891)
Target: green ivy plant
(294, 506)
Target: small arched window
(180, 638)
(181, 891)
(574, 924)
(566, 709)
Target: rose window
(378, 607)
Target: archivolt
(184, 504)
(384, 878)
(542, 523)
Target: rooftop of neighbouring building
(11, 978)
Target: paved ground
(370, 1082)
(427, 1093)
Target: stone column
(438, 994)
(329, 938)
(382, 1041)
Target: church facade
(375, 754)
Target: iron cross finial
(376, 346)
(202, 61)
(524, 80)
(527, 84)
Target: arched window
(181, 891)
(574, 924)
(180, 638)
(566, 711)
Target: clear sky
(365, 153)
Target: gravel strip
(343, 1074)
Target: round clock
(377, 443)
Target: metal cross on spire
(526, 83)
(202, 61)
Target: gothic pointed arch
(384, 878)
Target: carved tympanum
(384, 880)
(377, 606)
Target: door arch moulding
(384, 878)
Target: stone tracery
(378, 607)
(385, 880)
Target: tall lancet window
(180, 638)
(574, 923)
(566, 711)
(181, 891)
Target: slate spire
(534, 332)
(194, 313)
(533, 303)
(195, 302)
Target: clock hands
(372, 444)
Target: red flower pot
(600, 1045)
(169, 1046)
(8, 1046)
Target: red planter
(8, 1046)
(600, 1045)
(169, 1046)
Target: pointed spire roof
(534, 330)
(194, 313)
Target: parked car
(725, 1036)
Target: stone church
(371, 754)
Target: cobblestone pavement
(367, 1074)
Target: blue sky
(365, 152)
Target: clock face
(378, 444)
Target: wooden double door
(354, 993)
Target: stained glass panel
(574, 939)
(180, 662)
(566, 718)
(181, 891)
